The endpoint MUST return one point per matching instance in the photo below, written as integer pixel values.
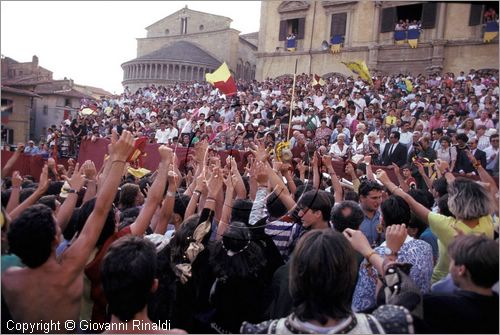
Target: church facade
(451, 37)
(186, 45)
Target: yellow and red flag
(222, 79)
(317, 82)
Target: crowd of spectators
(221, 249)
(434, 110)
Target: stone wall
(20, 117)
(452, 45)
(197, 22)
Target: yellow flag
(359, 68)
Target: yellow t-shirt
(390, 120)
(442, 226)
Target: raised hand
(382, 176)
(89, 170)
(43, 184)
(442, 165)
(327, 161)
(395, 236)
(420, 167)
(17, 180)
(122, 148)
(20, 148)
(358, 241)
(114, 139)
(314, 161)
(200, 150)
(396, 168)
(201, 184)
(215, 182)
(261, 153)
(51, 163)
(172, 176)
(277, 165)
(166, 154)
(77, 179)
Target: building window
(425, 13)
(338, 26)
(202, 27)
(7, 106)
(296, 26)
(67, 102)
(483, 11)
(7, 135)
(184, 21)
(45, 110)
(167, 31)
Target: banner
(399, 36)
(359, 68)
(336, 42)
(413, 35)
(222, 79)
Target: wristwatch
(389, 252)
(72, 190)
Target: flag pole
(293, 101)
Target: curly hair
(31, 235)
(237, 255)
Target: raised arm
(395, 237)
(17, 180)
(425, 177)
(76, 256)
(167, 208)
(228, 205)
(419, 210)
(90, 173)
(339, 196)
(66, 210)
(199, 190)
(402, 184)
(155, 193)
(315, 167)
(285, 172)
(43, 185)
(12, 160)
(239, 185)
(369, 171)
(349, 170)
(280, 188)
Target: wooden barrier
(96, 151)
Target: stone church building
(187, 44)
(451, 38)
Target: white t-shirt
(161, 136)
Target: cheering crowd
(281, 243)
